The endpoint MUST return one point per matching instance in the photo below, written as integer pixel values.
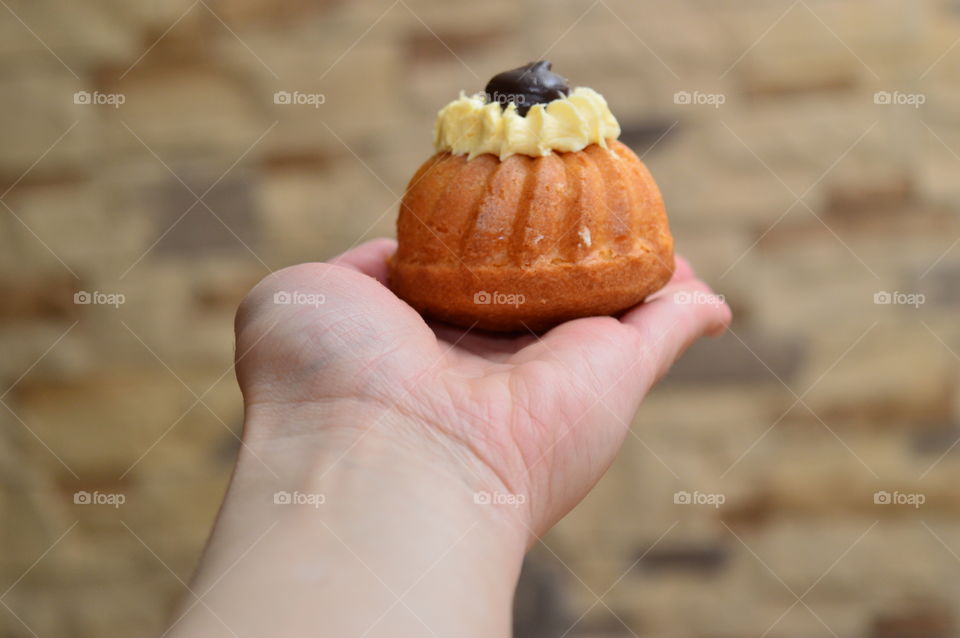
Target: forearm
(382, 542)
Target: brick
(904, 379)
(81, 38)
(248, 14)
(708, 559)
(939, 283)
(312, 218)
(225, 220)
(178, 109)
(73, 219)
(922, 621)
(88, 424)
(40, 109)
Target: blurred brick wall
(799, 197)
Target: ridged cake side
(569, 234)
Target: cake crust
(529, 242)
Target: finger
(581, 334)
(622, 359)
(369, 258)
(682, 313)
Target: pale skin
(397, 425)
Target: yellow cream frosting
(472, 126)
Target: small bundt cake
(525, 220)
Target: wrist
(360, 445)
(355, 493)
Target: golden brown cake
(532, 237)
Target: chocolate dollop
(530, 84)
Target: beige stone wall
(799, 197)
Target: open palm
(538, 416)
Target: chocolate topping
(527, 85)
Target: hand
(398, 424)
(540, 418)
